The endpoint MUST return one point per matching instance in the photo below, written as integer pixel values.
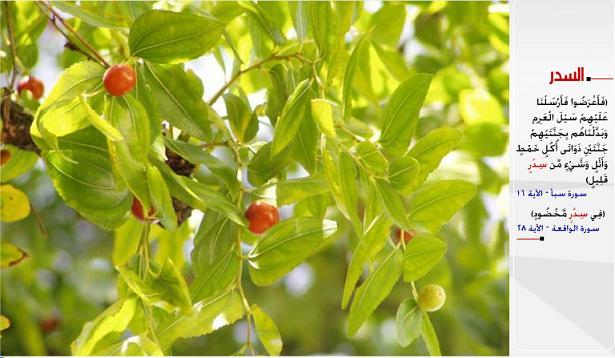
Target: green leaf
(435, 203)
(61, 119)
(374, 290)
(177, 99)
(162, 287)
(196, 155)
(14, 204)
(292, 190)
(206, 316)
(349, 190)
(267, 331)
(291, 118)
(403, 172)
(161, 198)
(409, 322)
(285, 245)
(215, 259)
(80, 78)
(173, 37)
(305, 144)
(21, 161)
(113, 320)
(86, 183)
(199, 195)
(371, 157)
(265, 166)
(10, 254)
(129, 156)
(216, 276)
(322, 112)
(387, 24)
(126, 241)
(113, 14)
(133, 346)
(300, 18)
(401, 114)
(430, 149)
(485, 139)
(421, 255)
(240, 116)
(429, 336)
(320, 15)
(103, 126)
(262, 21)
(370, 244)
(478, 105)
(347, 84)
(393, 203)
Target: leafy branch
(55, 17)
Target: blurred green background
(68, 278)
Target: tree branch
(54, 15)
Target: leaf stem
(414, 291)
(54, 15)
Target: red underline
(601, 78)
(529, 238)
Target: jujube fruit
(431, 298)
(262, 216)
(50, 324)
(32, 84)
(137, 210)
(407, 235)
(119, 79)
(5, 155)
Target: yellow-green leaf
(14, 204)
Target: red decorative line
(529, 238)
(602, 78)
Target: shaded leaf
(409, 322)
(374, 290)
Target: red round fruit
(137, 210)
(262, 216)
(50, 324)
(32, 84)
(407, 235)
(119, 79)
(5, 155)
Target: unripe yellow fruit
(431, 298)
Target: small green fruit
(431, 298)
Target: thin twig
(56, 16)
(274, 57)
(39, 221)
(9, 24)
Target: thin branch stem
(56, 16)
(273, 57)
(9, 25)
